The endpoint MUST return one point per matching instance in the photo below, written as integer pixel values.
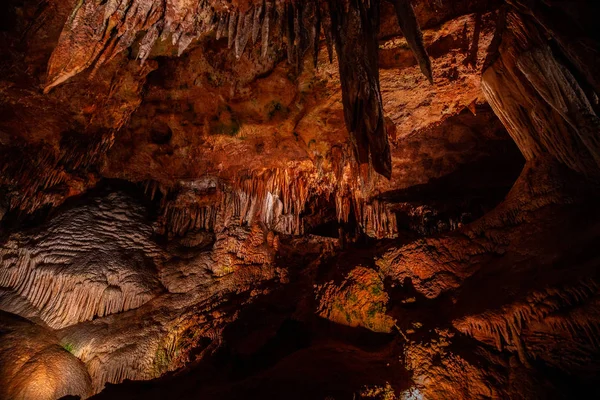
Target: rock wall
(539, 100)
(319, 199)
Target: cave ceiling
(326, 199)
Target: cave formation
(285, 199)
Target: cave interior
(299, 199)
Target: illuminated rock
(34, 365)
(299, 199)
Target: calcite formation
(35, 365)
(359, 301)
(94, 34)
(89, 262)
(361, 199)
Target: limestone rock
(34, 365)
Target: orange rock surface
(299, 199)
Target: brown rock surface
(35, 366)
(358, 301)
(299, 199)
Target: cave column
(539, 99)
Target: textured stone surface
(92, 261)
(285, 199)
(358, 301)
(33, 364)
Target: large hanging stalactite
(355, 32)
(411, 30)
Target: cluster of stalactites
(96, 32)
(507, 324)
(112, 26)
(275, 198)
(64, 299)
(32, 176)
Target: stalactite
(244, 31)
(541, 103)
(96, 32)
(32, 176)
(265, 31)
(411, 30)
(378, 220)
(233, 22)
(117, 369)
(355, 34)
(277, 198)
(506, 324)
(574, 41)
(272, 197)
(256, 17)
